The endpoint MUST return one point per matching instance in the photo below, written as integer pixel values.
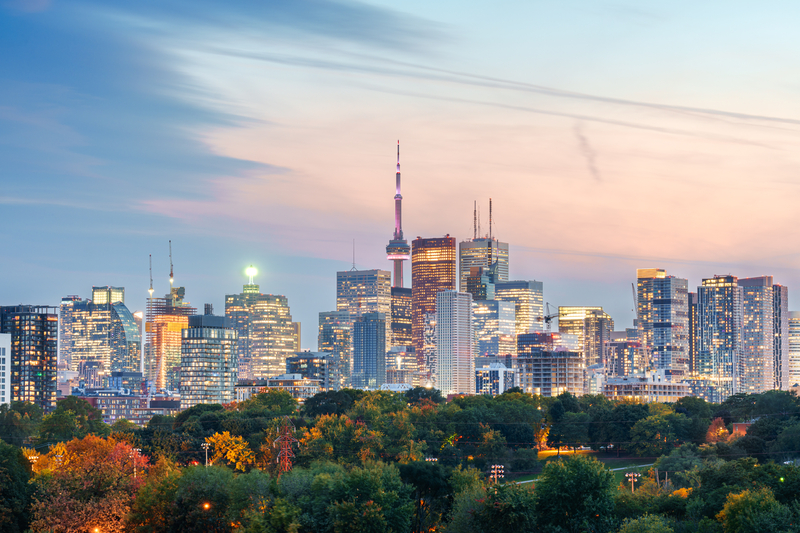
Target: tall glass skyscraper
(593, 328)
(794, 348)
(369, 351)
(335, 338)
(208, 361)
(34, 350)
(364, 291)
(483, 252)
(780, 322)
(401, 316)
(455, 343)
(433, 269)
(494, 327)
(757, 365)
(166, 318)
(663, 320)
(719, 329)
(528, 303)
(266, 333)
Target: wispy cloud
(587, 152)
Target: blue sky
(610, 136)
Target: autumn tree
(717, 431)
(232, 449)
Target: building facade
(364, 291)
(719, 330)
(455, 343)
(663, 320)
(780, 322)
(319, 366)
(433, 269)
(34, 353)
(494, 379)
(794, 348)
(335, 337)
(646, 388)
(209, 362)
(528, 298)
(166, 318)
(485, 252)
(757, 366)
(592, 326)
(5, 368)
(369, 351)
(494, 326)
(401, 317)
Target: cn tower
(398, 249)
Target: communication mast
(150, 290)
(286, 440)
(171, 277)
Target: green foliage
(73, 417)
(575, 494)
(421, 394)
(682, 465)
(19, 421)
(646, 524)
(275, 402)
(756, 511)
(14, 489)
(327, 403)
(693, 407)
(657, 435)
(202, 500)
(507, 508)
(431, 493)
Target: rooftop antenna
(171, 277)
(150, 290)
(475, 221)
(354, 256)
(490, 218)
(479, 221)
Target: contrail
(588, 152)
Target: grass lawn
(619, 465)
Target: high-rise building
(794, 348)
(480, 284)
(624, 357)
(663, 320)
(267, 335)
(369, 351)
(719, 344)
(780, 322)
(209, 368)
(433, 269)
(455, 343)
(34, 353)
(402, 367)
(493, 379)
(592, 326)
(494, 325)
(364, 291)
(546, 371)
(335, 337)
(757, 365)
(5, 368)
(166, 318)
(486, 252)
(401, 317)
(105, 333)
(694, 337)
(398, 250)
(528, 303)
(315, 365)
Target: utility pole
(633, 476)
(205, 446)
(497, 472)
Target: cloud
(587, 152)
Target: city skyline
(124, 128)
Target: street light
(633, 476)
(497, 472)
(205, 446)
(431, 459)
(206, 506)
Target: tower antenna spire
(490, 218)
(398, 250)
(475, 220)
(171, 277)
(354, 255)
(150, 290)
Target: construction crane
(549, 316)
(150, 290)
(171, 278)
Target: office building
(624, 358)
(402, 367)
(663, 320)
(34, 353)
(486, 252)
(528, 303)
(315, 365)
(493, 379)
(267, 335)
(335, 337)
(794, 348)
(5, 368)
(694, 336)
(166, 318)
(455, 343)
(369, 351)
(364, 291)
(480, 284)
(401, 317)
(433, 269)
(209, 366)
(494, 326)
(592, 326)
(719, 344)
(757, 365)
(780, 323)
(105, 333)
(398, 250)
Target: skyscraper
(34, 352)
(208, 361)
(398, 250)
(592, 326)
(546, 369)
(480, 283)
(364, 291)
(166, 318)
(663, 320)
(455, 343)
(494, 325)
(719, 328)
(486, 252)
(335, 338)
(369, 351)
(401, 316)
(780, 322)
(105, 333)
(694, 335)
(757, 365)
(433, 269)
(528, 303)
(794, 348)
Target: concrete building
(549, 373)
(299, 387)
(494, 379)
(319, 366)
(402, 366)
(209, 361)
(648, 387)
(719, 342)
(794, 348)
(455, 343)
(335, 338)
(663, 320)
(34, 352)
(486, 252)
(165, 319)
(5, 368)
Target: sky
(610, 136)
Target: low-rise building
(494, 379)
(295, 384)
(647, 387)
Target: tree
(682, 464)
(327, 403)
(72, 418)
(202, 500)
(277, 401)
(431, 491)
(19, 421)
(14, 490)
(755, 511)
(420, 394)
(507, 508)
(693, 407)
(646, 524)
(717, 431)
(576, 494)
(232, 449)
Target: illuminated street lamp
(497, 472)
(431, 459)
(633, 476)
(206, 506)
(205, 446)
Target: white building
(5, 368)
(494, 379)
(647, 387)
(455, 343)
